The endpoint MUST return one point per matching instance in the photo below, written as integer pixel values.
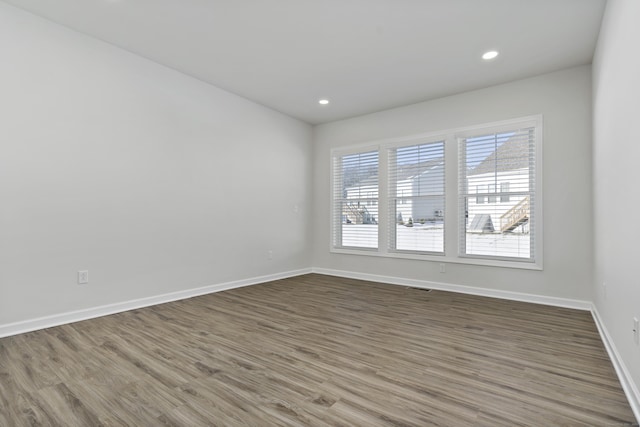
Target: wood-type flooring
(316, 351)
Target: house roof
(415, 169)
(513, 154)
(404, 172)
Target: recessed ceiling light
(323, 101)
(490, 55)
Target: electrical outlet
(270, 254)
(443, 268)
(83, 277)
(636, 331)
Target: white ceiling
(363, 55)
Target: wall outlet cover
(83, 276)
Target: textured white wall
(564, 100)
(616, 91)
(153, 181)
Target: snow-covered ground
(430, 237)
(426, 237)
(504, 245)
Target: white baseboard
(493, 293)
(104, 310)
(90, 313)
(628, 385)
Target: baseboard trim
(485, 292)
(628, 385)
(105, 310)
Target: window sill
(522, 265)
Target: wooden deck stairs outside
(516, 216)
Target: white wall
(616, 152)
(564, 100)
(153, 181)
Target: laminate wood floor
(316, 351)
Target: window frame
(335, 234)
(505, 197)
(392, 242)
(454, 213)
(479, 199)
(493, 198)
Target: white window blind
(355, 200)
(417, 198)
(497, 194)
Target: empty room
(319, 213)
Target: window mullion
(452, 214)
(383, 201)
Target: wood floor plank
(62, 406)
(316, 351)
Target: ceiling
(362, 55)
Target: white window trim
(346, 152)
(390, 206)
(452, 214)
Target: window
(355, 200)
(479, 199)
(417, 197)
(469, 196)
(504, 192)
(492, 193)
(504, 160)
